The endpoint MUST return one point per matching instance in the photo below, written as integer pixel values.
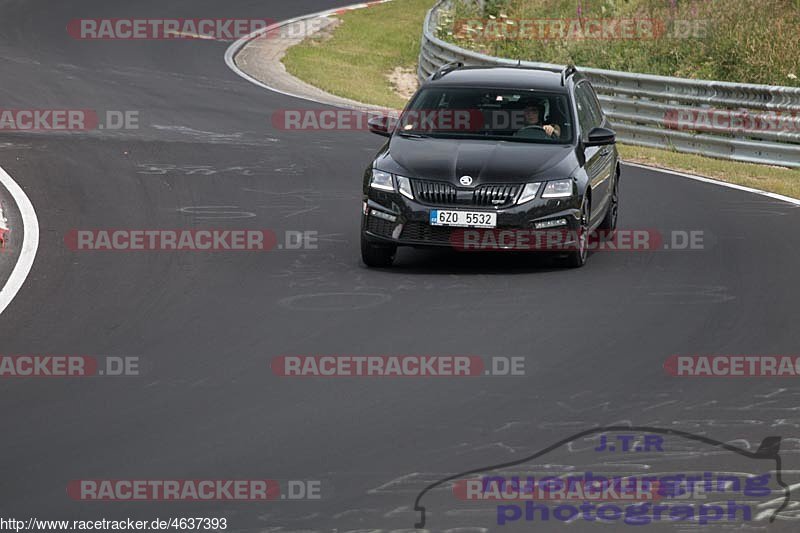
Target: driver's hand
(549, 130)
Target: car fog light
(382, 215)
(551, 223)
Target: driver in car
(533, 115)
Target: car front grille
(495, 195)
(434, 192)
(443, 193)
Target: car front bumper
(391, 218)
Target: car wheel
(377, 255)
(609, 224)
(577, 258)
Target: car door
(595, 155)
(607, 153)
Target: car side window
(586, 117)
(597, 109)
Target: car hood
(485, 161)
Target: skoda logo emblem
(466, 180)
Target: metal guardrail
(645, 109)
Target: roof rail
(446, 69)
(568, 71)
(565, 72)
(543, 68)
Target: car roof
(501, 78)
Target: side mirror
(381, 125)
(601, 137)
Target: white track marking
(3, 220)
(30, 241)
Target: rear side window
(597, 109)
(587, 114)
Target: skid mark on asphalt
(326, 274)
(292, 169)
(306, 194)
(496, 445)
(302, 211)
(157, 78)
(565, 417)
(686, 294)
(287, 204)
(292, 204)
(335, 301)
(18, 60)
(213, 137)
(162, 169)
(304, 274)
(14, 146)
(406, 483)
(358, 512)
(215, 212)
(205, 135)
(510, 425)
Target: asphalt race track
(205, 326)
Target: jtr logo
(629, 443)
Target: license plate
(464, 219)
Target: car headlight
(404, 185)
(382, 181)
(558, 189)
(529, 192)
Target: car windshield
(499, 114)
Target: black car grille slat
(381, 227)
(423, 232)
(442, 193)
(480, 196)
(433, 192)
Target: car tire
(609, 224)
(577, 258)
(377, 255)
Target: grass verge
(370, 43)
(753, 41)
(363, 50)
